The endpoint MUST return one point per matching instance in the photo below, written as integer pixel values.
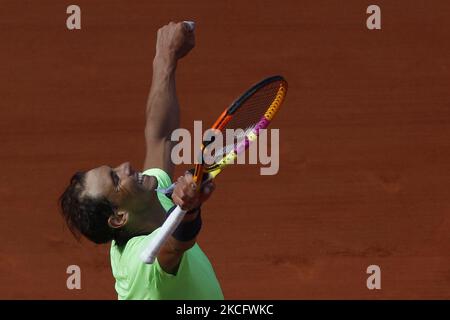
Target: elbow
(154, 133)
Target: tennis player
(121, 204)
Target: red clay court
(364, 155)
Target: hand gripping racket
(251, 112)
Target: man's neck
(153, 216)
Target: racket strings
(249, 113)
(214, 155)
(237, 138)
(252, 110)
(245, 118)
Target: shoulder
(129, 251)
(125, 259)
(163, 178)
(164, 181)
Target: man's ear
(118, 219)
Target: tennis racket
(251, 112)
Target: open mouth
(139, 178)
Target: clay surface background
(364, 157)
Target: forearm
(171, 253)
(169, 257)
(162, 112)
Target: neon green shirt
(195, 278)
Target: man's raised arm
(173, 42)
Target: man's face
(123, 186)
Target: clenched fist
(174, 41)
(186, 194)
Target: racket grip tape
(150, 253)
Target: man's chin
(149, 183)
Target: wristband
(187, 231)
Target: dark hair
(86, 215)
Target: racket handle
(151, 251)
(206, 178)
